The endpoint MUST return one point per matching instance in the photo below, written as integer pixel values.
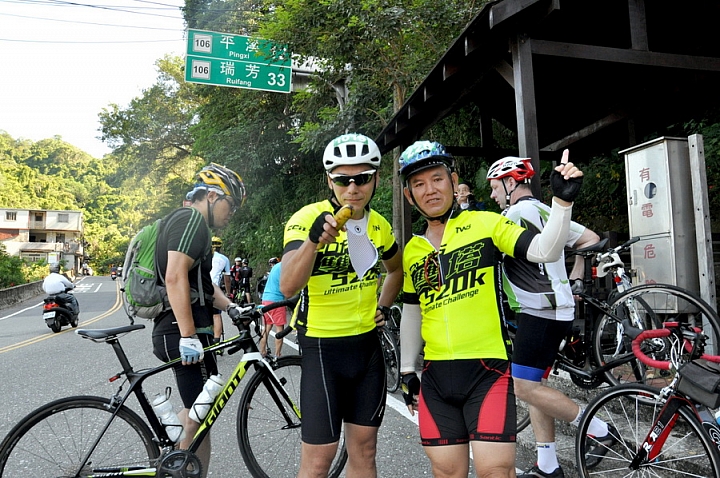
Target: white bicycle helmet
(351, 149)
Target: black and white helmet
(55, 267)
(350, 149)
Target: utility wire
(90, 42)
(87, 23)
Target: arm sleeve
(410, 337)
(548, 245)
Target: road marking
(21, 311)
(116, 306)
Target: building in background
(41, 234)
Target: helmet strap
(507, 193)
(211, 216)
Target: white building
(41, 234)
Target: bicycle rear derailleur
(179, 464)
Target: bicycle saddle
(597, 247)
(103, 335)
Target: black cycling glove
(385, 311)
(318, 227)
(410, 387)
(565, 189)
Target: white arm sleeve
(410, 337)
(549, 244)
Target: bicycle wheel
(53, 440)
(630, 411)
(394, 322)
(268, 428)
(648, 306)
(391, 354)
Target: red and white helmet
(519, 169)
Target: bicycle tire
(631, 409)
(391, 355)
(394, 322)
(52, 440)
(269, 446)
(651, 305)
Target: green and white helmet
(350, 149)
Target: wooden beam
(638, 25)
(505, 10)
(584, 132)
(505, 71)
(525, 108)
(619, 55)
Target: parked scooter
(61, 309)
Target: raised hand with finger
(566, 179)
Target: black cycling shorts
(536, 345)
(463, 400)
(343, 379)
(189, 378)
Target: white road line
(20, 311)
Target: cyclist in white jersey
(542, 299)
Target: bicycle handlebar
(255, 313)
(622, 247)
(685, 332)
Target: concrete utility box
(660, 210)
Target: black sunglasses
(359, 179)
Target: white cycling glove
(191, 350)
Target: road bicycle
(390, 341)
(660, 433)
(391, 354)
(596, 352)
(90, 436)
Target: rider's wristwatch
(193, 336)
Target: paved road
(38, 366)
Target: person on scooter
(57, 284)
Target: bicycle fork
(652, 446)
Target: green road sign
(224, 59)
(237, 74)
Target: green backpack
(143, 288)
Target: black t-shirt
(245, 275)
(186, 231)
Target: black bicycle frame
(243, 341)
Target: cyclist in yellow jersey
(452, 302)
(336, 272)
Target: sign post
(237, 61)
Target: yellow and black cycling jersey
(336, 302)
(459, 287)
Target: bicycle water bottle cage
(608, 262)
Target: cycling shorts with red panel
(463, 400)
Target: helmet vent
(351, 150)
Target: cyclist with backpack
(184, 258)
